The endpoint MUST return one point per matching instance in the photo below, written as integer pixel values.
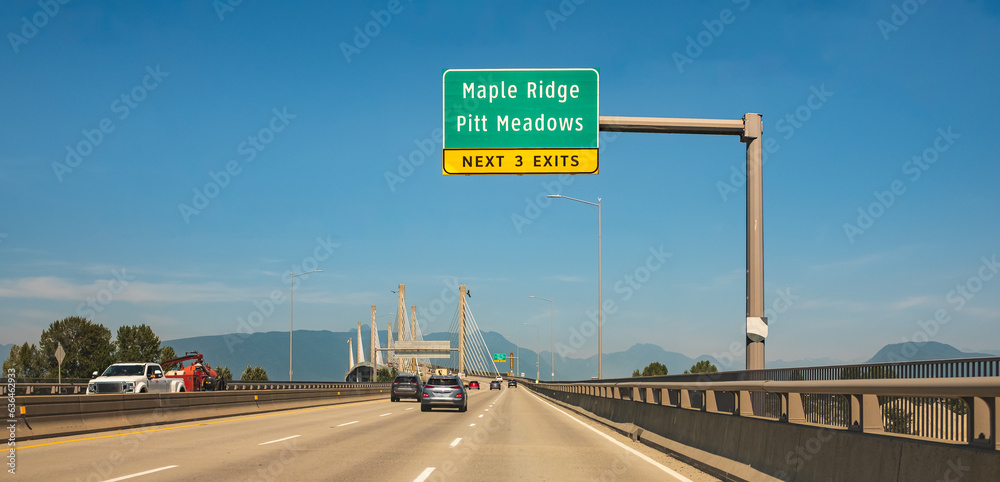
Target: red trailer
(198, 376)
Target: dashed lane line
(423, 475)
(279, 440)
(140, 473)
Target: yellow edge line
(281, 412)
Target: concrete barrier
(57, 415)
(786, 451)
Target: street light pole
(536, 353)
(600, 290)
(551, 334)
(291, 315)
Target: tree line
(657, 369)
(89, 347)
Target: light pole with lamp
(291, 315)
(600, 307)
(536, 353)
(551, 334)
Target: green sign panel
(521, 121)
(499, 357)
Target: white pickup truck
(134, 378)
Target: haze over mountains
(323, 355)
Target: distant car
(495, 384)
(474, 384)
(405, 386)
(512, 383)
(444, 391)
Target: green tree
(25, 361)
(136, 344)
(166, 354)
(223, 373)
(636, 373)
(87, 345)
(386, 374)
(255, 374)
(654, 369)
(703, 366)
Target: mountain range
(322, 355)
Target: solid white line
(455, 442)
(384, 414)
(140, 473)
(348, 423)
(626, 447)
(279, 440)
(423, 475)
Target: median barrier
(57, 415)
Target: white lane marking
(480, 416)
(472, 425)
(141, 473)
(348, 423)
(455, 442)
(626, 447)
(487, 410)
(385, 414)
(279, 440)
(411, 408)
(423, 475)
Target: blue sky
(315, 139)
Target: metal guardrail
(276, 385)
(80, 387)
(954, 410)
(961, 367)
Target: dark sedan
(405, 386)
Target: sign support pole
(750, 129)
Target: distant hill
(930, 350)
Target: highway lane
(510, 433)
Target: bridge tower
(461, 329)
(371, 349)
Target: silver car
(444, 391)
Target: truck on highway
(134, 378)
(198, 376)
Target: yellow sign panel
(520, 161)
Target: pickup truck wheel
(142, 390)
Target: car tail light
(456, 387)
(458, 396)
(395, 383)
(425, 395)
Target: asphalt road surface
(511, 434)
